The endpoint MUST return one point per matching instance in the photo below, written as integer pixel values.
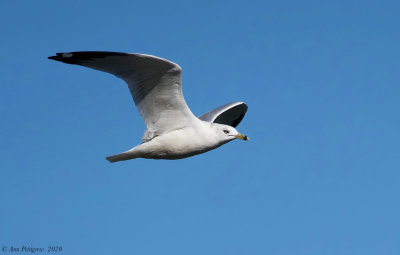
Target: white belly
(177, 144)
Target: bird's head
(227, 133)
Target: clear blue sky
(321, 174)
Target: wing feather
(154, 83)
(229, 114)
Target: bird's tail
(122, 156)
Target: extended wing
(155, 85)
(230, 114)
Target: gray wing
(155, 85)
(230, 114)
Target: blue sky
(319, 176)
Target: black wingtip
(79, 56)
(67, 58)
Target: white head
(227, 133)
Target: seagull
(172, 131)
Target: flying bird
(172, 131)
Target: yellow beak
(243, 137)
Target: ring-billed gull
(172, 131)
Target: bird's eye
(226, 131)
